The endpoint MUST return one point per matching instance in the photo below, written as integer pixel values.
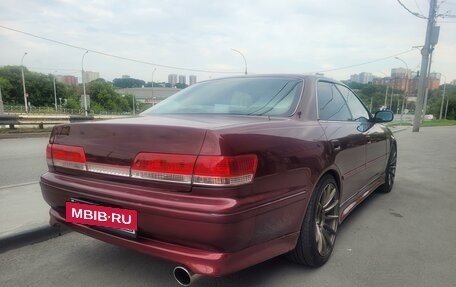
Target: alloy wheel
(326, 219)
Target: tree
(104, 98)
(128, 83)
(451, 115)
(5, 87)
(72, 103)
(376, 93)
(181, 86)
(435, 102)
(39, 87)
(14, 95)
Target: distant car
(224, 174)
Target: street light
(406, 87)
(83, 83)
(443, 98)
(55, 93)
(245, 62)
(153, 82)
(23, 82)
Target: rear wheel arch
(308, 248)
(332, 172)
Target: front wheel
(390, 171)
(319, 228)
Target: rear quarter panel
(291, 156)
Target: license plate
(116, 220)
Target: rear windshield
(240, 96)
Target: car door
(347, 141)
(376, 148)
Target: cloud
(275, 36)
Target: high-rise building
(192, 79)
(172, 79)
(434, 81)
(90, 76)
(182, 79)
(400, 73)
(67, 79)
(362, 78)
(406, 80)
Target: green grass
(427, 123)
(398, 124)
(438, 123)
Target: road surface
(405, 238)
(22, 160)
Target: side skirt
(347, 207)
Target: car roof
(306, 77)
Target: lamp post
(245, 62)
(406, 87)
(83, 83)
(55, 93)
(443, 98)
(153, 82)
(23, 82)
(391, 100)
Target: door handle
(336, 145)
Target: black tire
(319, 222)
(390, 171)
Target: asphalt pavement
(22, 160)
(23, 212)
(405, 238)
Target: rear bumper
(203, 262)
(210, 235)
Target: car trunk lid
(110, 147)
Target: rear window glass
(242, 96)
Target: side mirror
(383, 116)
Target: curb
(25, 135)
(399, 130)
(31, 236)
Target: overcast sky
(287, 36)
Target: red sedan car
(224, 174)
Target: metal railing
(40, 120)
(51, 110)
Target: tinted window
(331, 105)
(357, 109)
(243, 96)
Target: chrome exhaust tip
(184, 276)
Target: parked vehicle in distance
(224, 174)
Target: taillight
(66, 156)
(49, 155)
(201, 170)
(224, 170)
(164, 167)
(205, 170)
